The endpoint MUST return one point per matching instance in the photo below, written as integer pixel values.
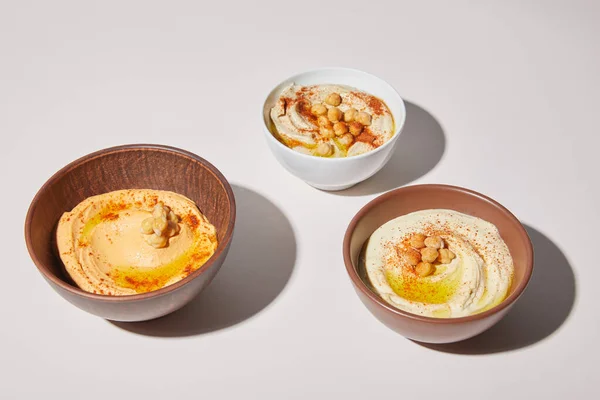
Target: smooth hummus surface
(105, 249)
(330, 120)
(475, 277)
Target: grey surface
(503, 99)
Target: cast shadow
(420, 148)
(259, 264)
(542, 309)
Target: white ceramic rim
(399, 125)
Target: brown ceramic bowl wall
(130, 167)
(422, 197)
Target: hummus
(104, 250)
(477, 278)
(296, 120)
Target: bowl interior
(422, 197)
(125, 167)
(342, 76)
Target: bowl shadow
(542, 309)
(422, 134)
(259, 265)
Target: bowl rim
(358, 282)
(398, 125)
(221, 247)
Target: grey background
(502, 98)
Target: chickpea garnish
(412, 256)
(327, 132)
(159, 210)
(429, 255)
(340, 128)
(173, 217)
(146, 227)
(334, 114)
(323, 121)
(350, 115)
(417, 240)
(160, 227)
(346, 140)
(334, 99)
(446, 256)
(356, 128)
(424, 269)
(157, 241)
(173, 228)
(324, 149)
(318, 109)
(435, 242)
(364, 118)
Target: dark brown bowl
(130, 167)
(422, 197)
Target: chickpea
(346, 140)
(173, 217)
(334, 114)
(173, 229)
(340, 128)
(157, 241)
(435, 242)
(446, 256)
(424, 269)
(324, 149)
(428, 254)
(159, 210)
(318, 109)
(146, 227)
(411, 256)
(356, 128)
(364, 118)
(159, 225)
(323, 121)
(417, 240)
(327, 132)
(350, 115)
(334, 99)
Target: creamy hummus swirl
(298, 129)
(478, 279)
(104, 251)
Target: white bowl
(336, 173)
